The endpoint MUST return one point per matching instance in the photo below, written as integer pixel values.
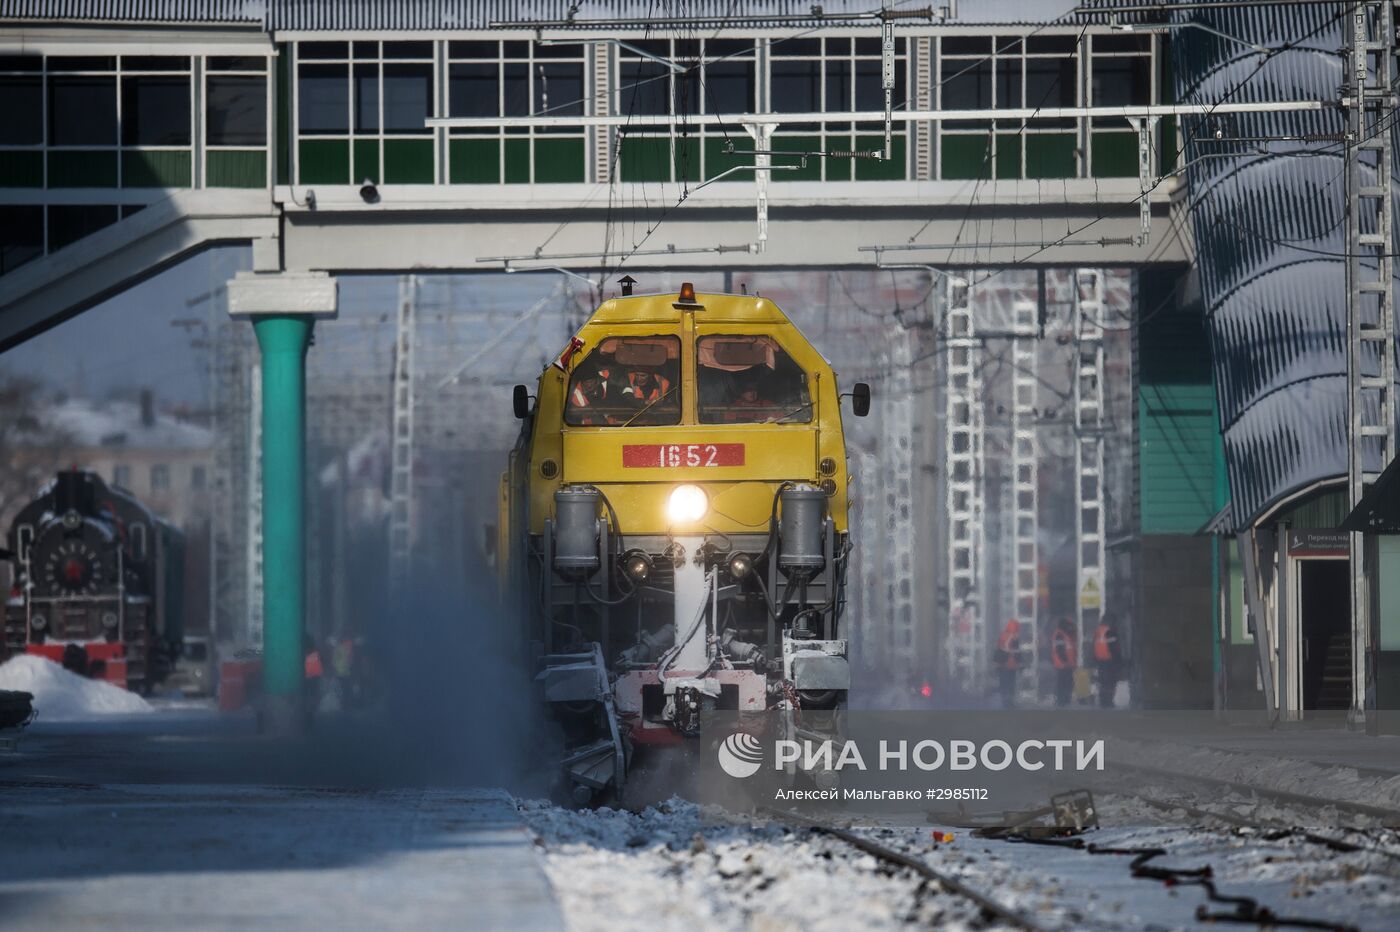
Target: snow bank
(62, 696)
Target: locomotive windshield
(627, 382)
(750, 380)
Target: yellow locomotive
(674, 524)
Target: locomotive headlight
(740, 565)
(39, 622)
(687, 504)
(636, 565)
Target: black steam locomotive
(97, 583)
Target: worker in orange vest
(1065, 657)
(1008, 662)
(1108, 658)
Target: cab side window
(627, 382)
(750, 380)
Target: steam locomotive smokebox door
(72, 491)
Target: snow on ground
(1063, 888)
(680, 866)
(62, 696)
(1271, 772)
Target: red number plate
(681, 455)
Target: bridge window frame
(377, 136)
(240, 157)
(848, 71)
(519, 74)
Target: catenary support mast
(1371, 80)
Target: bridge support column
(283, 309)
(283, 341)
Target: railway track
(1389, 818)
(991, 909)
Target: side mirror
(860, 399)
(521, 400)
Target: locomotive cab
(678, 506)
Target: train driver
(623, 378)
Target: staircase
(44, 291)
(1335, 691)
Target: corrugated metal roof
(1270, 234)
(380, 15)
(149, 11)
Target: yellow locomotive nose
(687, 504)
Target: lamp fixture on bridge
(369, 193)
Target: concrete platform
(123, 830)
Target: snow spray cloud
(458, 697)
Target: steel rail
(899, 858)
(1276, 830)
(1389, 817)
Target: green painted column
(283, 340)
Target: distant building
(164, 461)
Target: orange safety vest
(659, 386)
(1008, 644)
(1062, 653)
(1105, 644)
(584, 387)
(648, 387)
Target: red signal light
(926, 691)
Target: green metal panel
(645, 158)
(366, 161)
(79, 169)
(1390, 591)
(408, 161)
(1008, 155)
(283, 340)
(838, 169)
(236, 168)
(718, 160)
(1320, 513)
(687, 156)
(1115, 155)
(156, 169)
(965, 157)
(813, 169)
(517, 161)
(475, 161)
(559, 161)
(324, 161)
(21, 169)
(1050, 155)
(891, 168)
(1177, 435)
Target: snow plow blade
(576, 687)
